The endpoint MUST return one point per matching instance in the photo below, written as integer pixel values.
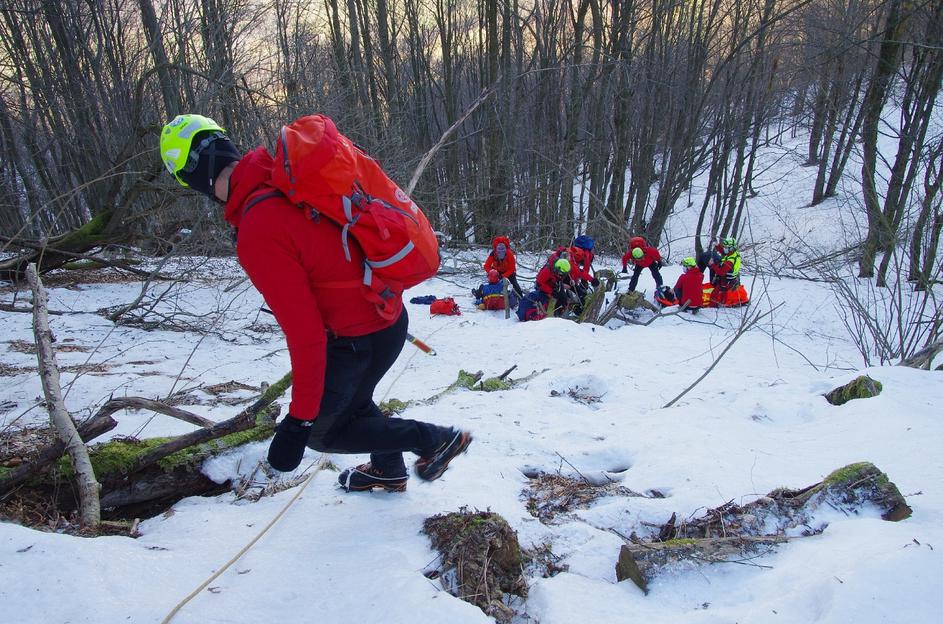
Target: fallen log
(641, 562)
(739, 533)
(53, 254)
(88, 431)
(141, 478)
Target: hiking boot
(365, 477)
(431, 468)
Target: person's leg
(349, 421)
(636, 271)
(517, 287)
(657, 275)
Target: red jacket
(548, 281)
(580, 261)
(651, 256)
(506, 267)
(295, 263)
(690, 283)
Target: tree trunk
(90, 509)
(887, 62)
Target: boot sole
(375, 486)
(466, 439)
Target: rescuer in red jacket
(502, 260)
(689, 287)
(642, 255)
(340, 347)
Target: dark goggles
(193, 158)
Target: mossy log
(466, 380)
(593, 305)
(88, 236)
(641, 562)
(862, 387)
(738, 530)
(144, 477)
(89, 430)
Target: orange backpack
(319, 169)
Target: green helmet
(689, 262)
(730, 242)
(637, 253)
(562, 266)
(176, 138)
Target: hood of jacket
(501, 239)
(251, 173)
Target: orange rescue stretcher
(713, 297)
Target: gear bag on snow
(446, 307)
(322, 171)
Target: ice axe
(420, 344)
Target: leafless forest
(619, 104)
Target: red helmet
(493, 276)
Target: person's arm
(275, 269)
(721, 269)
(489, 262)
(545, 282)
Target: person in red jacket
(689, 287)
(339, 345)
(502, 260)
(582, 253)
(642, 255)
(555, 280)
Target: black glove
(595, 282)
(288, 445)
(625, 269)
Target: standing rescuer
(339, 343)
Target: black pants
(637, 270)
(517, 287)
(349, 421)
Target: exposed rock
(862, 387)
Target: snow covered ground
(757, 422)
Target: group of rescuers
(567, 275)
(339, 345)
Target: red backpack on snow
(319, 169)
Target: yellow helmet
(562, 266)
(176, 139)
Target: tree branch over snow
(746, 324)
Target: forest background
(568, 117)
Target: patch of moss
(118, 456)
(465, 379)
(277, 389)
(853, 473)
(494, 384)
(393, 406)
(680, 542)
